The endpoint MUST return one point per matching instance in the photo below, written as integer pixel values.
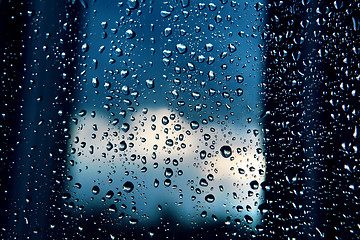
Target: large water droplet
(168, 172)
(122, 146)
(239, 78)
(95, 82)
(132, 4)
(226, 151)
(125, 127)
(156, 183)
(203, 182)
(181, 48)
(109, 146)
(202, 154)
(167, 32)
(128, 187)
(113, 208)
(129, 34)
(248, 219)
(194, 125)
(165, 14)
(165, 120)
(150, 83)
(95, 190)
(254, 185)
(209, 198)
(85, 47)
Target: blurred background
(179, 119)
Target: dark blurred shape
(312, 103)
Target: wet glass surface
(179, 119)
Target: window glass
(179, 119)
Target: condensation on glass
(167, 127)
(179, 119)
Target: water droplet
(109, 194)
(226, 151)
(128, 187)
(95, 190)
(109, 146)
(165, 14)
(194, 125)
(125, 127)
(156, 183)
(248, 219)
(113, 208)
(133, 4)
(203, 182)
(218, 18)
(209, 47)
(151, 232)
(133, 221)
(95, 82)
(104, 25)
(211, 75)
(239, 92)
(122, 146)
(169, 142)
(150, 83)
(165, 120)
(232, 48)
(85, 47)
(239, 78)
(254, 185)
(210, 198)
(210, 177)
(167, 32)
(124, 73)
(202, 154)
(167, 182)
(212, 6)
(118, 52)
(168, 172)
(204, 214)
(181, 48)
(129, 34)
